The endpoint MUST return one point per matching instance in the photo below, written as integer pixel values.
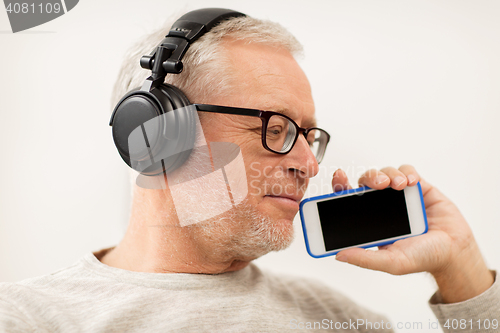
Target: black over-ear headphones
(173, 135)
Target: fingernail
(398, 180)
(380, 179)
(338, 172)
(341, 258)
(411, 179)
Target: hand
(448, 250)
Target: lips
(285, 203)
(295, 198)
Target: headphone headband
(186, 30)
(195, 24)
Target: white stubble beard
(244, 232)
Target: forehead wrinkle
(286, 79)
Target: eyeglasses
(279, 132)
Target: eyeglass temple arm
(227, 110)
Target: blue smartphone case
(342, 193)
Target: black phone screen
(363, 218)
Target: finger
(382, 260)
(374, 179)
(398, 179)
(410, 173)
(340, 182)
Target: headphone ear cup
(179, 128)
(154, 131)
(132, 111)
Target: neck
(156, 243)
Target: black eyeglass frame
(264, 116)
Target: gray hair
(205, 62)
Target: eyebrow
(311, 123)
(286, 112)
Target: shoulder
(15, 293)
(17, 302)
(13, 318)
(45, 288)
(33, 302)
(44, 284)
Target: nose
(302, 159)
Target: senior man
(165, 276)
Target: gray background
(394, 82)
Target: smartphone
(361, 217)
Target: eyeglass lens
(281, 134)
